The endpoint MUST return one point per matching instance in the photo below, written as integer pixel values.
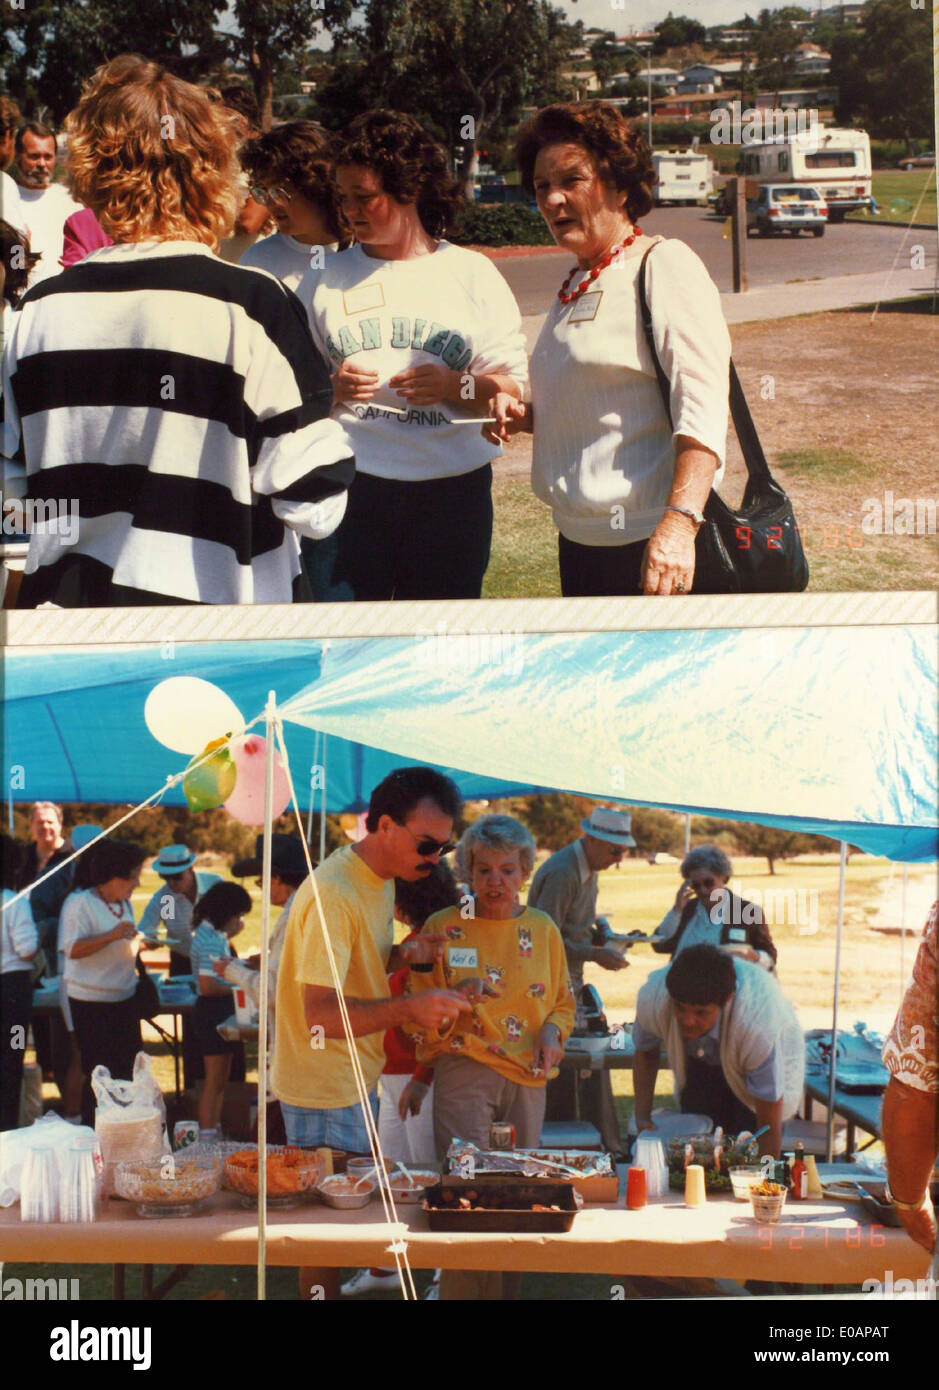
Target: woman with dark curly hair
(290, 173)
(626, 486)
(418, 332)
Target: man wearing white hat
(566, 888)
(173, 903)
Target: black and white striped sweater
(178, 407)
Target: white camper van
(837, 162)
(683, 176)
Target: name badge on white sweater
(368, 296)
(584, 309)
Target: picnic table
(815, 1242)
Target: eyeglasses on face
(277, 193)
(426, 846)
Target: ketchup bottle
(799, 1174)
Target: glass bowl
(170, 1185)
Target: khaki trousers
(468, 1096)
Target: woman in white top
(289, 170)
(627, 488)
(418, 333)
(98, 938)
(19, 942)
(707, 913)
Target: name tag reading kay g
(462, 958)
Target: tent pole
(903, 933)
(265, 983)
(323, 806)
(832, 1064)
(313, 780)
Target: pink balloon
(246, 802)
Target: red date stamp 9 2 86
(794, 1237)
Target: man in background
(46, 205)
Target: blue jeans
(340, 1129)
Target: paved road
(843, 250)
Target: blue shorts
(340, 1129)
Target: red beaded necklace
(585, 284)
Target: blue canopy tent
(827, 730)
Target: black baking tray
(525, 1192)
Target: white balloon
(185, 713)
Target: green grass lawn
(524, 559)
(897, 194)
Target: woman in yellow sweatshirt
(493, 1064)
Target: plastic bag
(50, 1132)
(130, 1117)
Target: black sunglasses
(426, 846)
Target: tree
(766, 841)
(884, 74)
(275, 33)
(464, 68)
(677, 30)
(552, 817)
(775, 42)
(604, 57)
(55, 47)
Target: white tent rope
(173, 780)
(398, 1246)
(893, 267)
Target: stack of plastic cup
(649, 1153)
(39, 1187)
(81, 1185)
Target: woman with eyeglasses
(418, 333)
(494, 1063)
(707, 913)
(289, 169)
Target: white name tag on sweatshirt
(462, 957)
(368, 296)
(585, 308)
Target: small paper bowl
(742, 1179)
(345, 1197)
(767, 1209)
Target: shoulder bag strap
(752, 449)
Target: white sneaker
(364, 1281)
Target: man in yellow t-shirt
(409, 824)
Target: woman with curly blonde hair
(178, 402)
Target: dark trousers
(400, 540)
(706, 1092)
(108, 1035)
(594, 571)
(16, 998)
